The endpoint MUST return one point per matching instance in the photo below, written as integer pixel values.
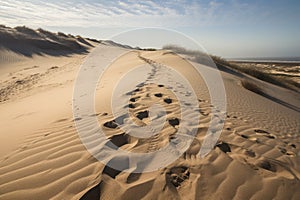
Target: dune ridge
(28, 42)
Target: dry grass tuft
(251, 86)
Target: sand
(256, 156)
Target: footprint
(122, 163)
(120, 120)
(250, 153)
(290, 153)
(267, 165)
(132, 92)
(133, 177)
(261, 131)
(77, 119)
(264, 133)
(54, 67)
(118, 140)
(129, 93)
(111, 124)
(282, 150)
(131, 105)
(133, 99)
(140, 85)
(286, 152)
(20, 82)
(177, 175)
(204, 113)
(168, 100)
(94, 115)
(223, 146)
(245, 136)
(271, 136)
(143, 114)
(93, 193)
(158, 94)
(174, 122)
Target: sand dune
(256, 157)
(27, 42)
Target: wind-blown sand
(256, 157)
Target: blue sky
(234, 28)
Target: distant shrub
(40, 30)
(48, 34)
(82, 40)
(94, 40)
(149, 49)
(61, 34)
(196, 56)
(72, 36)
(27, 31)
(181, 50)
(251, 86)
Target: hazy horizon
(232, 29)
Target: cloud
(101, 13)
(96, 13)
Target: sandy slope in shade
(257, 155)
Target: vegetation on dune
(196, 56)
(251, 86)
(251, 70)
(148, 49)
(26, 41)
(26, 30)
(203, 58)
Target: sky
(231, 29)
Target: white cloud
(132, 13)
(129, 13)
